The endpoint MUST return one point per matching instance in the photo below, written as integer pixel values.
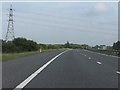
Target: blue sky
(53, 23)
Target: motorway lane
(105, 59)
(74, 70)
(15, 71)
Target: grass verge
(11, 56)
(105, 52)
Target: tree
(8, 47)
(85, 46)
(42, 46)
(116, 46)
(67, 45)
(19, 45)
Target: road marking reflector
(99, 63)
(117, 72)
(32, 76)
(89, 58)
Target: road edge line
(33, 75)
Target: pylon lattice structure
(10, 29)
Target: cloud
(98, 9)
(101, 7)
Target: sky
(91, 23)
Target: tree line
(19, 45)
(116, 45)
(24, 45)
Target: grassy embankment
(106, 52)
(11, 56)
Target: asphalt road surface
(62, 69)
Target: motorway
(62, 69)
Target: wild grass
(11, 56)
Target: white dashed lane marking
(117, 72)
(89, 58)
(99, 63)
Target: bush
(19, 45)
(8, 47)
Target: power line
(59, 21)
(62, 23)
(73, 21)
(65, 17)
(63, 27)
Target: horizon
(66, 42)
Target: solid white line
(99, 63)
(117, 72)
(26, 81)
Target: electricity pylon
(10, 28)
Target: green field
(11, 56)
